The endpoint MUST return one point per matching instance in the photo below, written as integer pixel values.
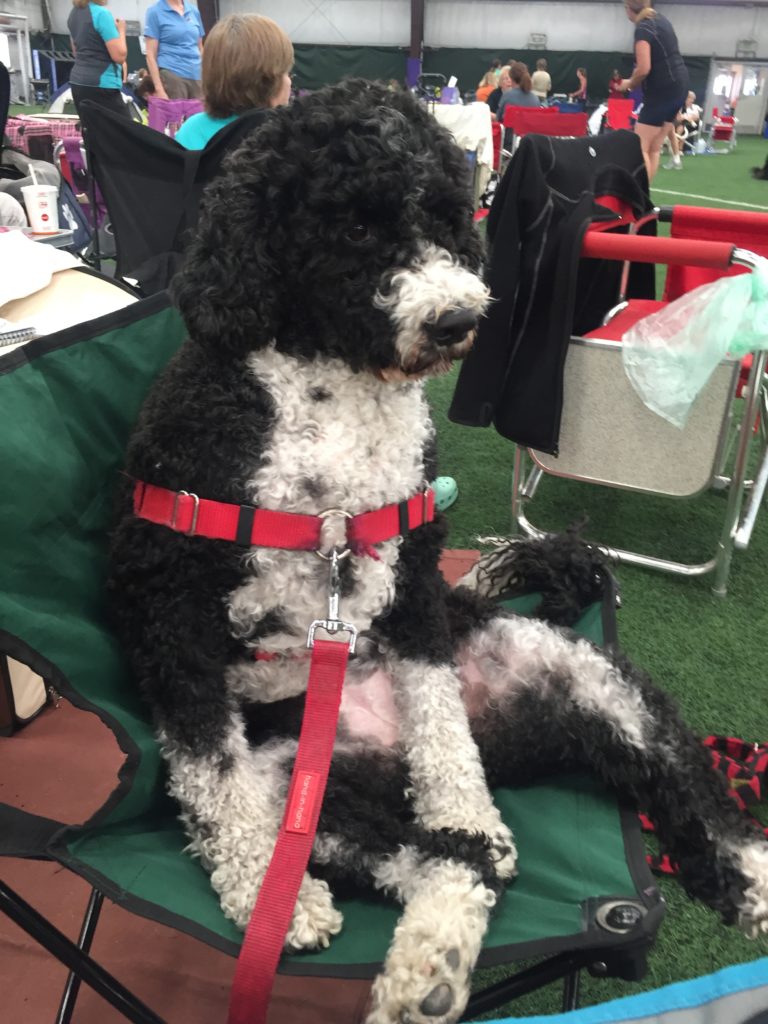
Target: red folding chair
(723, 130)
(608, 436)
(619, 114)
(540, 121)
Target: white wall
(27, 8)
(471, 23)
(588, 26)
(338, 22)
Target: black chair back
(152, 187)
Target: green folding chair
(584, 897)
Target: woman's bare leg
(651, 140)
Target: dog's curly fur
(317, 295)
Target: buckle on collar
(336, 551)
(195, 512)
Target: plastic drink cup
(42, 211)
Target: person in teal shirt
(247, 60)
(98, 43)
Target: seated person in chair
(690, 117)
(246, 64)
(521, 94)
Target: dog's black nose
(451, 326)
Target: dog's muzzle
(451, 327)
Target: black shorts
(659, 110)
(112, 99)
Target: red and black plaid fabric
(745, 765)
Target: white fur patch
(752, 861)
(435, 284)
(515, 654)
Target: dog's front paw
(433, 989)
(501, 843)
(428, 969)
(315, 918)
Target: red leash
(271, 917)
(247, 525)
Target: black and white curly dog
(336, 266)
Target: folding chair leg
(753, 398)
(87, 931)
(50, 938)
(564, 965)
(571, 991)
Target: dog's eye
(358, 233)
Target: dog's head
(343, 226)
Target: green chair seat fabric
(68, 404)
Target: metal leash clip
(333, 624)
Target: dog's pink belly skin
(368, 710)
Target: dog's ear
(229, 290)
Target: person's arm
(154, 70)
(112, 31)
(642, 66)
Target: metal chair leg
(87, 931)
(42, 931)
(571, 991)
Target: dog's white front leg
(232, 805)
(449, 785)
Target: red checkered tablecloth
(22, 127)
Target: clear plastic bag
(670, 355)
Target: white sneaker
(672, 165)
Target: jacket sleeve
(482, 375)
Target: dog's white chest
(339, 440)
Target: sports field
(709, 652)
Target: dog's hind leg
(232, 803)
(554, 701)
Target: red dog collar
(250, 526)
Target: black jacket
(542, 292)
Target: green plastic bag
(670, 355)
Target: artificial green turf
(708, 652)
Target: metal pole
(87, 931)
(42, 931)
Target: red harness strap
(271, 917)
(250, 526)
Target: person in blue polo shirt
(98, 43)
(174, 34)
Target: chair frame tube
(42, 931)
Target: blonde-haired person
(485, 86)
(505, 82)
(98, 43)
(246, 66)
(660, 68)
(541, 81)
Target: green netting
(68, 406)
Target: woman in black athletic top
(664, 76)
